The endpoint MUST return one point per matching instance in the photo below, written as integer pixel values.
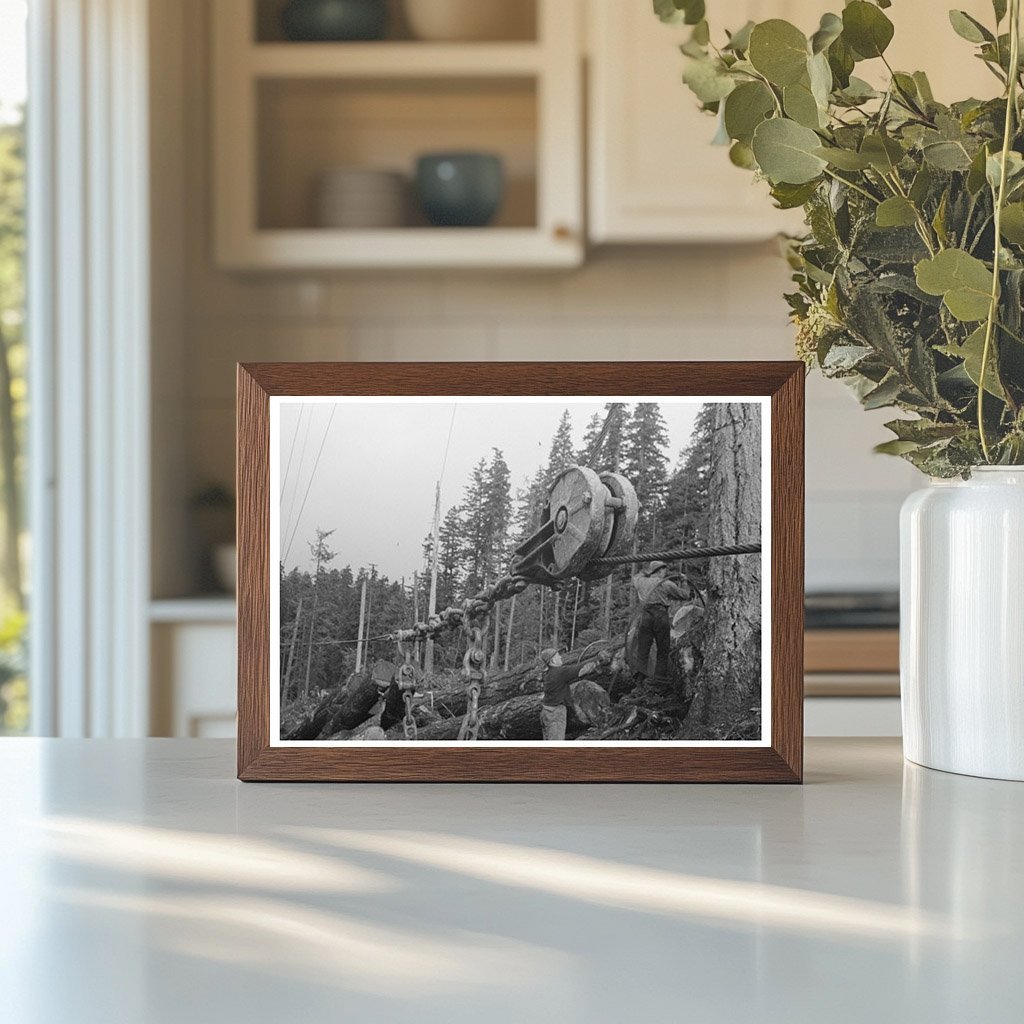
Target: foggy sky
(374, 484)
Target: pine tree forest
(680, 492)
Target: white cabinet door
(653, 175)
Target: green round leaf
(866, 29)
(789, 197)
(778, 50)
(674, 12)
(1012, 225)
(740, 39)
(708, 81)
(896, 212)
(800, 105)
(829, 31)
(961, 279)
(968, 28)
(743, 156)
(841, 61)
(820, 76)
(882, 152)
(785, 152)
(946, 156)
(747, 106)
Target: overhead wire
(298, 476)
(291, 451)
(312, 477)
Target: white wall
(701, 303)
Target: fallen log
(341, 709)
(519, 717)
(523, 679)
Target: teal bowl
(460, 190)
(334, 21)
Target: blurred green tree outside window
(14, 703)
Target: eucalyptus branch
(1000, 199)
(923, 227)
(887, 285)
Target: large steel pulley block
(588, 516)
(620, 524)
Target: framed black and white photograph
(468, 581)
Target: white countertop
(143, 885)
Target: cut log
(524, 679)
(519, 717)
(344, 708)
(356, 703)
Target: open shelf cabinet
(285, 113)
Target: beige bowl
(471, 20)
(361, 198)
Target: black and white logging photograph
(518, 570)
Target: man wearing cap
(558, 680)
(656, 592)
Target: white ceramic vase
(962, 624)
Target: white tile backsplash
(704, 303)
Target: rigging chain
(480, 604)
(406, 679)
(474, 674)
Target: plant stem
(993, 309)
(856, 188)
(923, 228)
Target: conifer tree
(590, 436)
(645, 462)
(686, 504)
(474, 526)
(561, 453)
(610, 455)
(498, 515)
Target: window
(14, 704)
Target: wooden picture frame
(779, 758)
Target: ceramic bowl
(460, 189)
(470, 20)
(359, 197)
(334, 20)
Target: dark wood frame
(782, 761)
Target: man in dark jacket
(656, 592)
(558, 680)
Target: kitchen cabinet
(653, 175)
(192, 647)
(286, 113)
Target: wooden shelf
(393, 60)
(401, 247)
